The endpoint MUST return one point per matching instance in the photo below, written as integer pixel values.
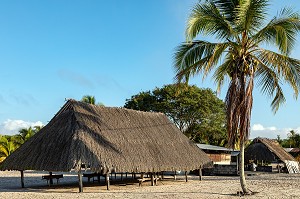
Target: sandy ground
(267, 185)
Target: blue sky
(52, 50)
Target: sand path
(267, 186)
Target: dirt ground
(272, 185)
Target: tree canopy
(90, 100)
(197, 112)
(9, 143)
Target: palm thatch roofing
(263, 149)
(107, 139)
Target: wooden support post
(51, 180)
(126, 174)
(107, 181)
(162, 175)
(174, 175)
(186, 177)
(142, 175)
(200, 174)
(98, 177)
(115, 176)
(122, 176)
(156, 177)
(22, 179)
(152, 179)
(80, 182)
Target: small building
(225, 160)
(218, 154)
(267, 154)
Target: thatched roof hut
(107, 139)
(268, 150)
(264, 149)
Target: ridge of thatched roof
(267, 150)
(107, 138)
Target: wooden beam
(80, 182)
(107, 181)
(22, 178)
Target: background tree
(292, 141)
(7, 146)
(198, 113)
(24, 135)
(89, 99)
(279, 140)
(238, 56)
(9, 143)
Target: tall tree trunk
(242, 167)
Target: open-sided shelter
(268, 150)
(107, 139)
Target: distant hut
(263, 150)
(108, 140)
(295, 152)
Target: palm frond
(284, 66)
(222, 71)
(281, 31)
(192, 58)
(250, 14)
(239, 101)
(270, 83)
(207, 19)
(227, 8)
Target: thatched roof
(106, 139)
(263, 149)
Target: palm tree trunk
(242, 167)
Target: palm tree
(6, 148)
(238, 56)
(88, 99)
(25, 134)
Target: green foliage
(198, 113)
(89, 99)
(9, 144)
(292, 141)
(24, 135)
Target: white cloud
(257, 127)
(272, 128)
(12, 127)
(258, 130)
